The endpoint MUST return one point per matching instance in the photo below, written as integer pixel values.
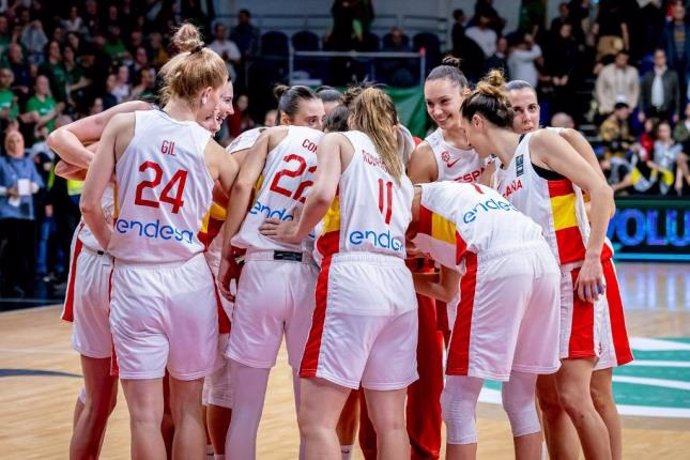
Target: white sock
(347, 452)
(219, 457)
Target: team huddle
(479, 252)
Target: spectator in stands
(114, 46)
(659, 91)
(136, 40)
(240, 120)
(146, 84)
(564, 17)
(159, 55)
(122, 88)
(34, 41)
(676, 42)
(617, 82)
(9, 109)
(73, 22)
(19, 180)
(227, 49)
(53, 68)
(109, 97)
(245, 34)
(532, 17)
(562, 120)
(652, 26)
(560, 65)
(4, 34)
(471, 54)
(610, 30)
(648, 136)
(341, 36)
(521, 60)
(615, 130)
(681, 132)
(499, 60)
(77, 83)
(141, 61)
(665, 160)
(20, 69)
(484, 8)
(618, 172)
(271, 118)
(397, 71)
(458, 30)
(483, 35)
(41, 108)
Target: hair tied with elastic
(197, 48)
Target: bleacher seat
(274, 44)
(370, 43)
(305, 40)
(430, 42)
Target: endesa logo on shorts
(383, 240)
(154, 230)
(492, 204)
(266, 211)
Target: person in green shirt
(9, 109)
(53, 68)
(41, 108)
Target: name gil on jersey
(512, 188)
(261, 209)
(383, 240)
(154, 230)
(487, 206)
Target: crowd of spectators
(60, 61)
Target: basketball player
(471, 229)
(161, 283)
(560, 434)
(87, 297)
(538, 176)
(275, 291)
(443, 155)
(360, 334)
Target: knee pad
(518, 396)
(458, 404)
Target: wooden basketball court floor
(40, 379)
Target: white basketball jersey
(556, 205)
(108, 205)
(370, 212)
(163, 191)
(456, 218)
(245, 140)
(283, 185)
(454, 164)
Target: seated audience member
(562, 120)
(681, 132)
(271, 118)
(667, 153)
(615, 130)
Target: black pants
(18, 261)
